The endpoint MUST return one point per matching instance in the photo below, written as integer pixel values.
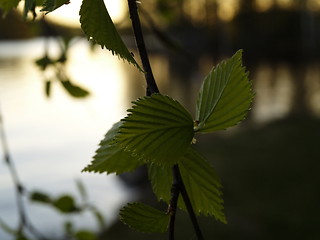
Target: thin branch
(19, 189)
(177, 185)
(175, 191)
(187, 202)
(136, 25)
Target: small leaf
(85, 235)
(65, 204)
(7, 5)
(74, 90)
(225, 96)
(157, 129)
(82, 190)
(51, 5)
(40, 197)
(44, 62)
(98, 26)
(144, 218)
(48, 88)
(111, 158)
(202, 185)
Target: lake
(52, 139)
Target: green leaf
(7, 5)
(111, 158)
(98, 26)
(74, 90)
(51, 5)
(65, 204)
(82, 190)
(85, 235)
(225, 96)
(200, 180)
(161, 181)
(202, 185)
(48, 88)
(157, 129)
(41, 197)
(144, 218)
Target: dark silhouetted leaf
(48, 88)
(74, 90)
(98, 26)
(37, 196)
(51, 5)
(65, 204)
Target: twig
(186, 199)
(177, 185)
(136, 25)
(175, 191)
(19, 189)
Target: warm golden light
(313, 5)
(264, 5)
(284, 3)
(69, 14)
(227, 9)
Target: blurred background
(268, 165)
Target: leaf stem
(177, 185)
(175, 191)
(186, 199)
(136, 25)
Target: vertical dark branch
(175, 191)
(177, 185)
(187, 202)
(151, 83)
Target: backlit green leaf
(161, 181)
(51, 5)
(144, 218)
(157, 129)
(111, 158)
(98, 26)
(200, 180)
(202, 185)
(225, 96)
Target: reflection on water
(51, 140)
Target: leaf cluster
(159, 131)
(65, 204)
(54, 70)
